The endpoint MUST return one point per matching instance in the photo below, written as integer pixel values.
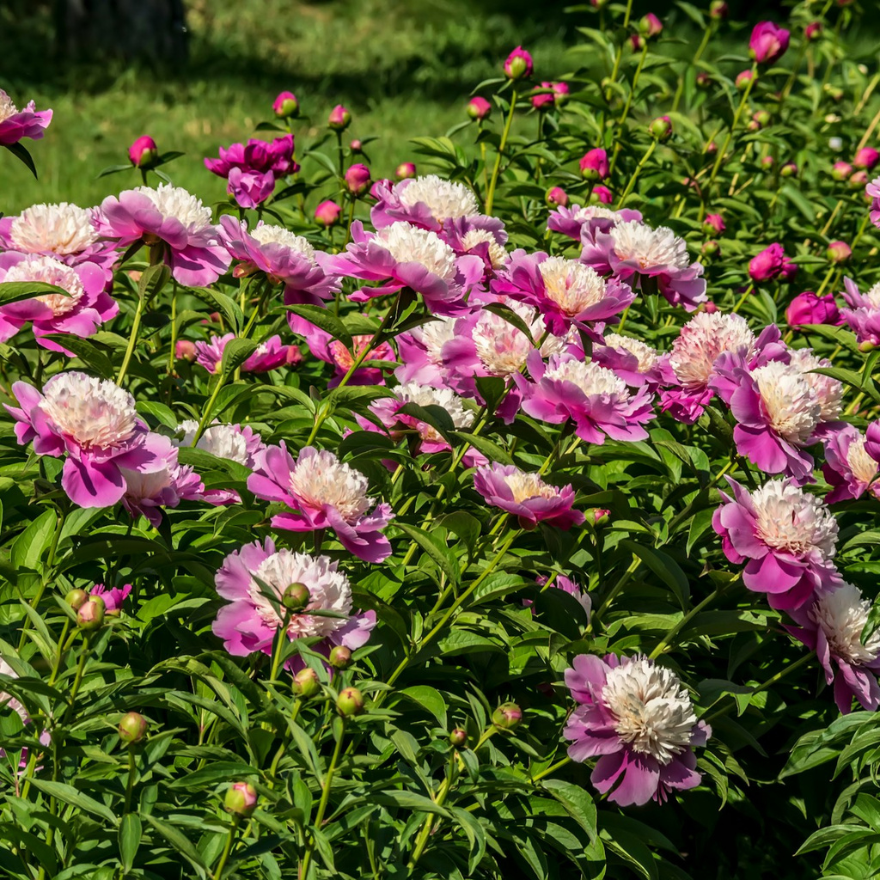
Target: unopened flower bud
(789, 169)
(835, 93)
(858, 180)
(241, 799)
(710, 307)
(132, 727)
(813, 31)
(767, 162)
(711, 248)
(594, 164)
(743, 79)
(458, 738)
(339, 118)
(90, 615)
(713, 224)
(556, 197)
(327, 213)
(479, 108)
(703, 80)
(76, 599)
(866, 158)
(638, 42)
(340, 657)
(185, 350)
(357, 179)
(350, 702)
(711, 148)
(286, 105)
(507, 716)
(599, 515)
(143, 153)
(296, 597)
(356, 146)
(650, 25)
(518, 64)
(762, 117)
(838, 252)
(866, 346)
(601, 195)
(306, 683)
(661, 128)
(718, 9)
(841, 170)
(405, 170)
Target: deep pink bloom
(479, 108)
(327, 213)
(602, 195)
(79, 314)
(849, 467)
(357, 179)
(807, 308)
(285, 105)
(339, 118)
(556, 197)
(866, 158)
(768, 42)
(251, 620)
(546, 100)
(114, 597)
(518, 64)
(252, 169)
(284, 257)
(527, 497)
(767, 264)
(270, 354)
(789, 270)
(785, 537)
(170, 216)
(322, 492)
(594, 165)
(17, 124)
(650, 25)
(872, 440)
(143, 152)
(95, 423)
(572, 221)
(638, 720)
(593, 397)
(863, 314)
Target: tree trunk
(150, 30)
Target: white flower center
(700, 343)
(425, 395)
(790, 401)
(828, 391)
(646, 356)
(175, 202)
(410, 244)
(95, 412)
(434, 335)
(323, 479)
(58, 229)
(864, 467)
(50, 271)
(497, 255)
(652, 711)
(7, 108)
(650, 248)
(787, 518)
(873, 296)
(589, 377)
(572, 285)
(268, 234)
(329, 590)
(842, 615)
(525, 486)
(502, 348)
(445, 199)
(588, 212)
(224, 441)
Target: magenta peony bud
(714, 224)
(841, 170)
(556, 197)
(339, 118)
(132, 728)
(858, 180)
(789, 270)
(405, 170)
(661, 128)
(710, 307)
(599, 515)
(356, 146)
(767, 264)
(327, 213)
(241, 799)
(76, 599)
(813, 31)
(638, 42)
(143, 153)
(458, 738)
(340, 657)
(285, 105)
(718, 9)
(357, 179)
(185, 350)
(306, 683)
(350, 702)
(767, 162)
(866, 158)
(762, 117)
(650, 25)
(594, 164)
(601, 194)
(711, 248)
(519, 64)
(479, 108)
(554, 98)
(90, 614)
(807, 308)
(508, 716)
(703, 80)
(768, 42)
(838, 252)
(743, 79)
(296, 597)
(789, 169)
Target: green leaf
(87, 351)
(326, 321)
(129, 839)
(178, 842)
(578, 804)
(237, 351)
(409, 800)
(222, 303)
(34, 540)
(20, 152)
(664, 567)
(75, 798)
(16, 291)
(428, 698)
(489, 448)
(441, 554)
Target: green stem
(551, 769)
(172, 355)
(723, 151)
(490, 196)
(206, 415)
(624, 580)
(632, 181)
(741, 301)
(132, 772)
(425, 833)
(673, 631)
(707, 35)
(227, 849)
(348, 226)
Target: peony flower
(866, 158)
(428, 202)
(170, 216)
(650, 25)
(786, 538)
(768, 264)
(114, 597)
(548, 99)
(7, 701)
(479, 108)
(829, 391)
(80, 313)
(285, 106)
(423, 353)
(527, 497)
(324, 493)
(602, 195)
(556, 197)
(596, 399)
(848, 468)
(143, 153)
(232, 442)
(95, 422)
(518, 64)
(807, 308)
(566, 293)
(572, 221)
(832, 627)
(636, 362)
(863, 314)
(16, 124)
(638, 719)
(252, 169)
(357, 179)
(269, 355)
(282, 256)
(631, 249)
(254, 580)
(339, 118)
(768, 42)
(478, 236)
(402, 255)
(327, 213)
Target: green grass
(403, 68)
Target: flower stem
(624, 580)
(632, 181)
(722, 152)
(132, 771)
(490, 196)
(227, 849)
(132, 340)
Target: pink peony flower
(95, 422)
(636, 362)
(518, 64)
(566, 293)
(639, 721)
(270, 354)
(252, 169)
(327, 213)
(786, 537)
(863, 314)
(807, 308)
(143, 153)
(479, 108)
(80, 313)
(832, 627)
(556, 197)
(282, 256)
(768, 42)
(527, 497)
(254, 614)
(849, 468)
(429, 202)
(602, 195)
(594, 218)
(594, 165)
(16, 124)
(478, 236)
(114, 597)
(866, 158)
(768, 264)
(357, 179)
(630, 249)
(593, 397)
(324, 493)
(170, 216)
(339, 118)
(402, 255)
(789, 270)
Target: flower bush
(512, 519)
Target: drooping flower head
(786, 538)
(254, 581)
(638, 719)
(324, 493)
(17, 124)
(428, 202)
(527, 497)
